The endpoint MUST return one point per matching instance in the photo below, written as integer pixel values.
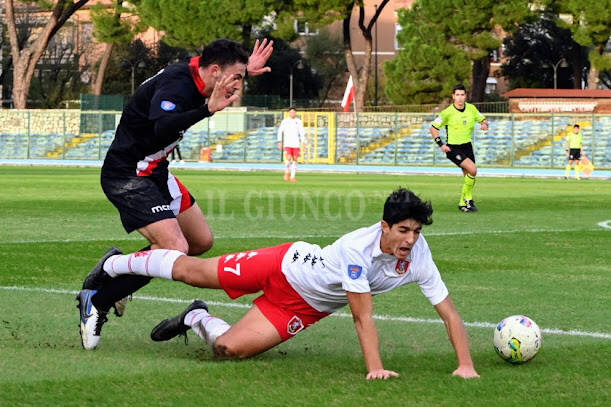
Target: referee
(459, 120)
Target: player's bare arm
(361, 305)
(484, 125)
(260, 54)
(458, 336)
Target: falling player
(303, 283)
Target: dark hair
(223, 52)
(460, 86)
(403, 204)
(292, 108)
(577, 126)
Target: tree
(192, 24)
(57, 77)
(27, 56)
(591, 27)
(427, 66)
(472, 28)
(324, 52)
(306, 84)
(536, 48)
(111, 26)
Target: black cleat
(172, 327)
(463, 208)
(97, 276)
(471, 206)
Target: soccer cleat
(92, 320)
(463, 208)
(97, 276)
(172, 327)
(286, 176)
(471, 206)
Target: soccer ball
(517, 339)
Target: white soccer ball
(517, 339)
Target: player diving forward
(303, 283)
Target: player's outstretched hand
(222, 94)
(258, 58)
(466, 372)
(381, 374)
(445, 148)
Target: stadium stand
(536, 140)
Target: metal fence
(385, 138)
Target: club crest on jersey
(294, 325)
(354, 271)
(167, 105)
(402, 266)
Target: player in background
(459, 121)
(303, 283)
(135, 176)
(291, 136)
(574, 150)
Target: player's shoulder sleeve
(429, 278)
(476, 113)
(171, 94)
(441, 119)
(353, 269)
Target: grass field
(535, 248)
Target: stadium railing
(370, 138)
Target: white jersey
(356, 263)
(291, 132)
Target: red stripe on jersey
(199, 82)
(185, 200)
(150, 167)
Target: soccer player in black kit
(135, 175)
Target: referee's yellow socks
(467, 188)
(568, 170)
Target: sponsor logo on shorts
(458, 156)
(402, 266)
(295, 325)
(167, 105)
(354, 271)
(160, 208)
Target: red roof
(558, 93)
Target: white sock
(293, 169)
(151, 263)
(206, 326)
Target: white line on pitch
(553, 331)
(299, 237)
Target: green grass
(534, 248)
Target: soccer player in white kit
(303, 283)
(291, 135)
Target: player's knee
(201, 245)
(228, 350)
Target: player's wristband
(438, 141)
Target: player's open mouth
(404, 250)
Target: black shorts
(575, 154)
(459, 152)
(145, 200)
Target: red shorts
(261, 269)
(292, 151)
